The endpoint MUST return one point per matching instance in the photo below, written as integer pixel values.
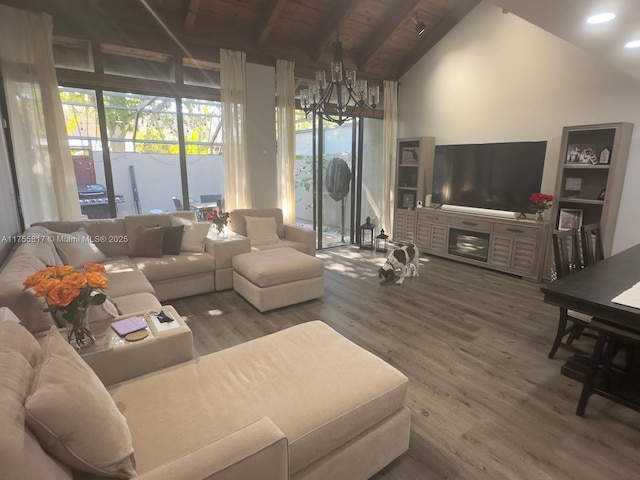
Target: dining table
(608, 291)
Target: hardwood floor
(486, 401)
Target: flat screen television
(497, 176)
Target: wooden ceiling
(378, 36)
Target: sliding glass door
(338, 180)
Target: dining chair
(592, 251)
(211, 198)
(571, 324)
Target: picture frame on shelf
(408, 200)
(569, 218)
(581, 154)
(605, 156)
(572, 187)
(409, 155)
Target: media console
(505, 244)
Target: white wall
(261, 132)
(497, 78)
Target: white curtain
(233, 74)
(389, 146)
(286, 146)
(43, 160)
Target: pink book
(128, 325)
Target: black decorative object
(381, 241)
(366, 235)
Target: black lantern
(366, 235)
(381, 241)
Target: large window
(149, 166)
(144, 158)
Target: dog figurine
(405, 259)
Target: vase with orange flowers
(69, 294)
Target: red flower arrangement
(218, 218)
(540, 202)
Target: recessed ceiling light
(601, 18)
(633, 44)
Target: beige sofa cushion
(125, 278)
(73, 416)
(21, 456)
(109, 234)
(38, 242)
(299, 246)
(28, 308)
(193, 235)
(262, 230)
(277, 266)
(175, 266)
(239, 225)
(319, 388)
(77, 248)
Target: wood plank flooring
(486, 401)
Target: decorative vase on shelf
(78, 333)
(540, 217)
(221, 230)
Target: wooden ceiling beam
(191, 9)
(270, 19)
(435, 34)
(327, 31)
(400, 12)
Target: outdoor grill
(94, 202)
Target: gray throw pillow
(172, 240)
(149, 242)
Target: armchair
(301, 239)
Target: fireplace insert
(469, 244)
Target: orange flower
(37, 277)
(94, 267)
(45, 286)
(62, 295)
(64, 270)
(96, 280)
(75, 279)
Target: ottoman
(276, 278)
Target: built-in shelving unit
(593, 160)
(414, 176)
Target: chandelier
(343, 98)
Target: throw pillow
(21, 456)
(194, 234)
(172, 240)
(76, 248)
(262, 230)
(73, 416)
(6, 315)
(148, 242)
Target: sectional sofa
(302, 404)
(137, 282)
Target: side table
(115, 359)
(224, 249)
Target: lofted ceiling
(567, 20)
(379, 36)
